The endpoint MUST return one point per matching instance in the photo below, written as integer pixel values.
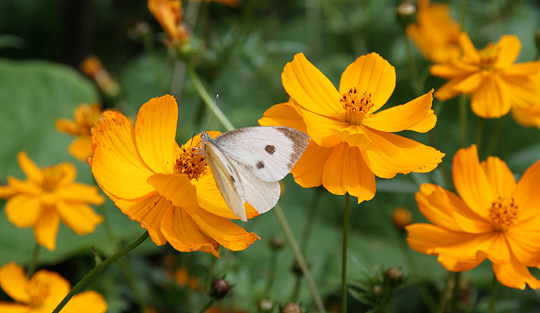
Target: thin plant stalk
(479, 133)
(447, 293)
(33, 261)
(299, 257)
(272, 274)
(88, 277)
(210, 103)
(463, 8)
(207, 306)
(463, 120)
(344, 253)
(412, 66)
(496, 135)
(493, 303)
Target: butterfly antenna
(211, 112)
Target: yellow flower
(164, 187)
(490, 77)
(43, 292)
(93, 68)
(351, 141)
(493, 218)
(170, 16)
(47, 196)
(84, 118)
(435, 32)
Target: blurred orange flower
(493, 217)
(84, 117)
(170, 16)
(164, 187)
(93, 68)
(435, 32)
(183, 279)
(351, 141)
(490, 77)
(47, 196)
(43, 292)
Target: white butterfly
(247, 164)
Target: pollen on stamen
(52, 175)
(489, 56)
(190, 162)
(357, 105)
(503, 214)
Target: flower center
(357, 105)
(51, 177)
(488, 56)
(503, 213)
(190, 162)
(38, 290)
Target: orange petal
(148, 211)
(322, 129)
(116, 164)
(521, 69)
(155, 132)
(67, 126)
(499, 251)
(308, 171)
(284, 114)
(310, 88)
(23, 210)
(527, 193)
(32, 171)
(184, 235)
(450, 70)
(515, 275)
(211, 200)
(178, 189)
(454, 265)
(78, 192)
(469, 84)
(81, 147)
(79, 217)
(404, 116)
(14, 282)
(446, 91)
(346, 172)
(225, 232)
(398, 154)
(470, 54)
(15, 186)
(13, 308)
(372, 74)
(68, 173)
(46, 228)
(491, 99)
(509, 47)
(471, 181)
(524, 91)
(434, 204)
(58, 287)
(87, 302)
(499, 175)
(524, 240)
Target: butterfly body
(247, 164)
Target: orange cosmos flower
(47, 196)
(490, 77)
(164, 187)
(84, 118)
(351, 141)
(435, 32)
(93, 68)
(43, 292)
(493, 218)
(170, 16)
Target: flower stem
(344, 253)
(493, 304)
(211, 104)
(463, 120)
(447, 293)
(463, 14)
(495, 136)
(88, 277)
(272, 274)
(207, 306)
(412, 65)
(299, 257)
(33, 261)
(479, 133)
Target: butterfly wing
(269, 152)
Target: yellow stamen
(357, 106)
(189, 161)
(503, 214)
(51, 177)
(488, 56)
(38, 290)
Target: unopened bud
(401, 217)
(394, 274)
(405, 13)
(277, 242)
(290, 308)
(219, 289)
(266, 306)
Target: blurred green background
(42, 43)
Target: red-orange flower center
(51, 177)
(357, 105)
(38, 290)
(503, 213)
(190, 162)
(488, 56)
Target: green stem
(479, 133)
(447, 293)
(495, 136)
(463, 120)
(309, 220)
(493, 304)
(463, 14)
(207, 306)
(412, 65)
(456, 291)
(210, 103)
(272, 274)
(344, 253)
(299, 257)
(98, 269)
(33, 261)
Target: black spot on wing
(270, 149)
(260, 165)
